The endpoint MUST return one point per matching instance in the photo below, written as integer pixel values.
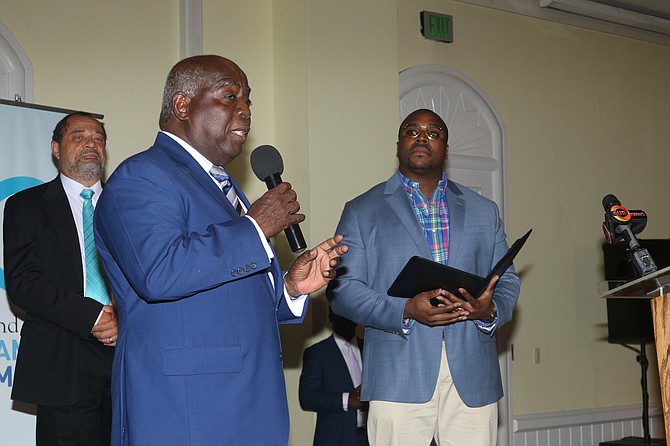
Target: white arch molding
(16, 71)
(476, 160)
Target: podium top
(646, 287)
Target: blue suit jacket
(382, 233)
(325, 376)
(198, 359)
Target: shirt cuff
(98, 319)
(345, 401)
(295, 304)
(407, 325)
(264, 241)
(487, 327)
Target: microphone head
(266, 161)
(609, 201)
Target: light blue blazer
(382, 233)
(198, 358)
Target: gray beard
(84, 172)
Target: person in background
(430, 371)
(199, 289)
(330, 385)
(52, 272)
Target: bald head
(188, 77)
(424, 111)
(206, 103)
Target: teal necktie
(95, 281)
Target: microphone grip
(272, 181)
(295, 239)
(293, 233)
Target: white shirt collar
(74, 188)
(199, 157)
(341, 342)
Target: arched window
(16, 71)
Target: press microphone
(268, 166)
(622, 224)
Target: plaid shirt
(432, 214)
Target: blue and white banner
(25, 161)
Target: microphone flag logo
(620, 213)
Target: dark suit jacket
(324, 378)
(43, 273)
(198, 360)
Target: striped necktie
(220, 175)
(96, 287)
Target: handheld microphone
(622, 224)
(268, 166)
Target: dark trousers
(88, 421)
(362, 437)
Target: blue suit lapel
(456, 207)
(193, 170)
(396, 198)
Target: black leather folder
(420, 274)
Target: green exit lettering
(439, 27)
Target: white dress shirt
(345, 348)
(72, 191)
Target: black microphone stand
(644, 365)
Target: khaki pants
(445, 417)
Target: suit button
(233, 273)
(240, 270)
(253, 265)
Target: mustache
(420, 145)
(89, 152)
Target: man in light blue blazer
(429, 371)
(198, 287)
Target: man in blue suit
(198, 287)
(430, 371)
(330, 385)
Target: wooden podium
(654, 287)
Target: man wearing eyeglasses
(429, 371)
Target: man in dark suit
(65, 356)
(198, 287)
(330, 385)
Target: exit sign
(436, 26)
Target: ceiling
(647, 20)
(647, 15)
(654, 8)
